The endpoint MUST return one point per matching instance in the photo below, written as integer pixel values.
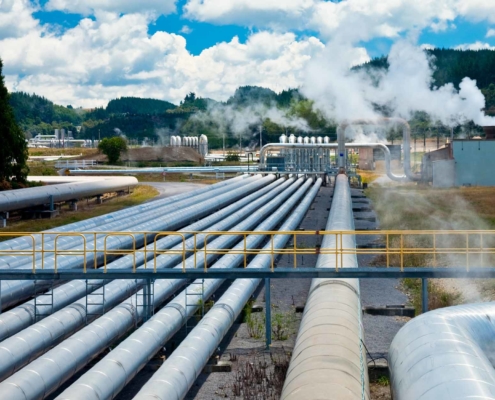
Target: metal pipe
(11, 200)
(445, 354)
(14, 291)
(381, 146)
(91, 223)
(29, 344)
(21, 317)
(39, 378)
(123, 363)
(406, 140)
(179, 372)
(329, 355)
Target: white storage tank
(299, 139)
(203, 145)
(283, 139)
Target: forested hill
(454, 65)
(139, 118)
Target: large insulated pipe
(91, 223)
(445, 354)
(329, 357)
(151, 214)
(18, 199)
(122, 364)
(406, 142)
(22, 316)
(277, 147)
(40, 378)
(29, 344)
(14, 291)
(179, 372)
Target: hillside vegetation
(155, 120)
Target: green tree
(112, 148)
(13, 149)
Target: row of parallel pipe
(37, 379)
(23, 316)
(132, 354)
(168, 218)
(179, 372)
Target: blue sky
(89, 51)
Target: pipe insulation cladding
(445, 354)
(179, 372)
(48, 372)
(91, 223)
(109, 376)
(11, 200)
(131, 222)
(18, 350)
(14, 291)
(22, 316)
(329, 355)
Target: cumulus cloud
(354, 20)
(16, 18)
(87, 7)
(490, 33)
(113, 55)
(475, 46)
(186, 30)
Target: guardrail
(74, 164)
(390, 249)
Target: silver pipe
(91, 223)
(406, 136)
(329, 356)
(111, 221)
(21, 317)
(381, 146)
(40, 378)
(445, 354)
(123, 363)
(18, 199)
(29, 344)
(179, 372)
(14, 291)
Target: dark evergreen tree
(13, 147)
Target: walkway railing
(389, 249)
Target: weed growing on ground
(283, 324)
(383, 381)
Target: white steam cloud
(406, 87)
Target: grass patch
(437, 296)
(42, 168)
(86, 210)
(414, 207)
(368, 176)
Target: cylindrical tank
(319, 140)
(283, 139)
(203, 145)
(292, 139)
(299, 139)
(326, 140)
(312, 140)
(172, 140)
(306, 140)
(178, 141)
(196, 141)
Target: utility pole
(261, 139)
(99, 135)
(224, 144)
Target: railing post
(424, 295)
(268, 314)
